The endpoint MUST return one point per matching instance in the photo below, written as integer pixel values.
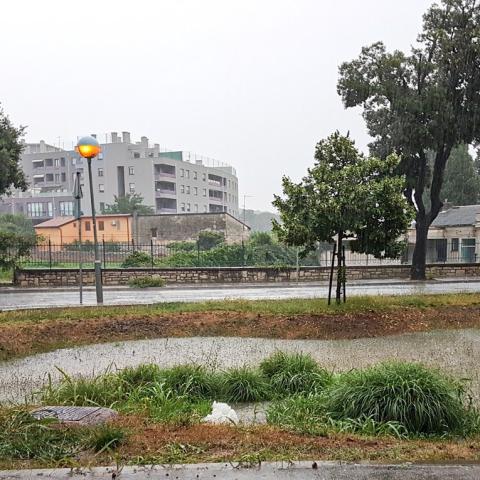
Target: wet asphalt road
(12, 299)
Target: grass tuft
(244, 385)
(422, 399)
(294, 373)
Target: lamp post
(89, 148)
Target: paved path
(267, 471)
(11, 299)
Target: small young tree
(345, 195)
(14, 246)
(129, 203)
(11, 173)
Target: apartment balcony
(162, 192)
(166, 210)
(164, 171)
(165, 188)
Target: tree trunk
(338, 296)
(417, 271)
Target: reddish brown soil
(20, 339)
(210, 443)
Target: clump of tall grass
(104, 390)
(423, 400)
(244, 385)
(294, 373)
(193, 381)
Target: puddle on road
(456, 351)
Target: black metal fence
(192, 254)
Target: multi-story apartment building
(169, 181)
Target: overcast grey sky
(248, 82)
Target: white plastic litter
(222, 413)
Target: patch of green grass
(424, 400)
(245, 385)
(294, 373)
(6, 276)
(22, 437)
(147, 282)
(273, 307)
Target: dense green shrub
(294, 373)
(208, 239)
(424, 400)
(146, 282)
(137, 259)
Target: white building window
(182, 188)
(188, 188)
(131, 187)
(188, 173)
(188, 207)
(204, 192)
(195, 190)
(101, 187)
(182, 172)
(66, 209)
(194, 175)
(100, 172)
(131, 171)
(182, 207)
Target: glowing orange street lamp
(89, 148)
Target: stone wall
(187, 226)
(69, 277)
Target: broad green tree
(461, 185)
(424, 101)
(11, 173)
(16, 223)
(129, 203)
(345, 195)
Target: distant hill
(259, 221)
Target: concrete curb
(222, 286)
(264, 471)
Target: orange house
(64, 230)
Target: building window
(131, 187)
(66, 209)
(182, 188)
(57, 178)
(454, 244)
(195, 190)
(194, 175)
(49, 177)
(62, 162)
(204, 192)
(154, 232)
(57, 162)
(100, 172)
(102, 207)
(182, 172)
(136, 155)
(188, 188)
(188, 207)
(49, 162)
(204, 177)
(182, 207)
(87, 226)
(188, 173)
(101, 187)
(64, 177)
(195, 208)
(101, 225)
(131, 171)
